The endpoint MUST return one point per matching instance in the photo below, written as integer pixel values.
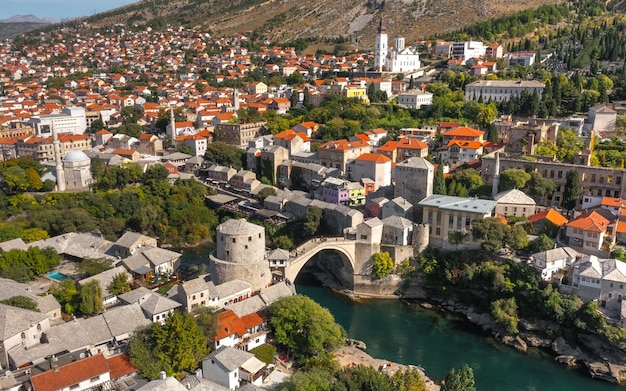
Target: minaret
(496, 176)
(172, 126)
(380, 51)
(235, 100)
(56, 146)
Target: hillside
(285, 20)
(12, 29)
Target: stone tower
(236, 100)
(398, 43)
(421, 237)
(240, 254)
(496, 176)
(381, 48)
(56, 145)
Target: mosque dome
(75, 157)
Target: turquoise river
(406, 333)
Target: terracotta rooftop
(67, 375)
(593, 222)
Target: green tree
(382, 265)
(15, 179)
(513, 178)
(90, 267)
(571, 191)
(265, 192)
(504, 311)
(174, 347)
(461, 380)
(304, 327)
(120, 284)
(312, 220)
(91, 298)
(540, 243)
(67, 295)
(568, 144)
(225, 155)
(538, 186)
(284, 242)
(34, 180)
(469, 178)
(439, 183)
(516, 237)
(96, 126)
(491, 231)
(21, 302)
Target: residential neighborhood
(269, 159)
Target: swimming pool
(58, 276)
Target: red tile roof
(593, 222)
(228, 323)
(120, 365)
(551, 215)
(464, 131)
(70, 374)
(373, 157)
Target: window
(234, 240)
(95, 379)
(438, 231)
(611, 285)
(249, 238)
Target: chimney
(162, 375)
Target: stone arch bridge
(346, 248)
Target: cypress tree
(439, 183)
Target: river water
(408, 334)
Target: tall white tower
(380, 51)
(172, 126)
(496, 176)
(56, 146)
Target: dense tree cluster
(23, 265)
(304, 328)
(382, 265)
(174, 347)
(177, 213)
(510, 291)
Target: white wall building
(71, 120)
(402, 58)
(381, 48)
(415, 99)
(468, 49)
(501, 90)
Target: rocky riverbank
(600, 359)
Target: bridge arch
(304, 253)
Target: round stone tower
(420, 238)
(240, 254)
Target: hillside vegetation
(285, 20)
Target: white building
(71, 120)
(415, 99)
(468, 49)
(402, 58)
(525, 59)
(501, 90)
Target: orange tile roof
(593, 222)
(464, 131)
(70, 374)
(251, 320)
(411, 143)
(373, 157)
(121, 151)
(120, 365)
(551, 215)
(621, 226)
(465, 144)
(389, 146)
(228, 323)
(613, 202)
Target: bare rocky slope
(284, 20)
